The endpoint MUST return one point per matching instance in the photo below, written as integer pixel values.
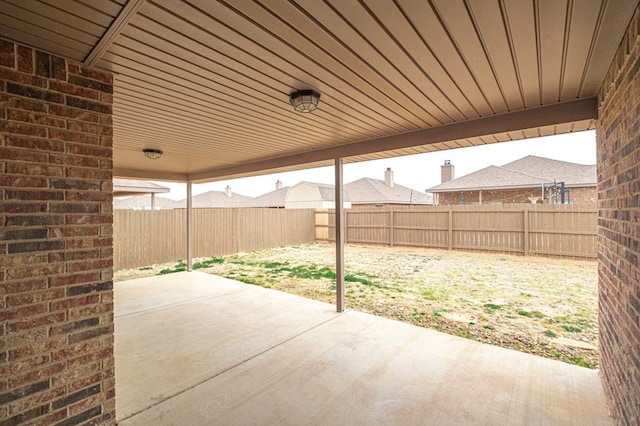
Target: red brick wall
(56, 299)
(618, 151)
(584, 195)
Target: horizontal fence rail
(142, 238)
(557, 230)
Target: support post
(526, 229)
(392, 237)
(339, 197)
(189, 227)
(153, 201)
(450, 228)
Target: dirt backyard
(543, 306)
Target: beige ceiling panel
(463, 32)
(228, 97)
(436, 39)
(206, 59)
(552, 27)
(55, 17)
(315, 65)
(367, 71)
(521, 31)
(583, 22)
(170, 92)
(488, 19)
(428, 94)
(173, 110)
(427, 68)
(615, 15)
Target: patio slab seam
(178, 303)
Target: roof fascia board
(566, 112)
(150, 175)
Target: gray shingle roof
(530, 171)
(213, 199)
(371, 191)
(275, 198)
(140, 202)
(129, 187)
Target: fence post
(525, 214)
(391, 226)
(450, 228)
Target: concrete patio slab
(220, 352)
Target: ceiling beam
(567, 112)
(118, 25)
(149, 175)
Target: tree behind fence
(143, 238)
(556, 230)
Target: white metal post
(339, 236)
(189, 228)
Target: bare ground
(543, 306)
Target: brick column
(618, 144)
(56, 298)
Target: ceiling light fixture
(152, 154)
(304, 100)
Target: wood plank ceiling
(207, 81)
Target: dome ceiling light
(304, 100)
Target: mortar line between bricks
(231, 367)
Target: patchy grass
(523, 303)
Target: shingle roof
(275, 198)
(526, 172)
(327, 191)
(142, 201)
(368, 190)
(571, 173)
(130, 187)
(213, 199)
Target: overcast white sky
(419, 171)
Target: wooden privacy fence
(557, 230)
(143, 238)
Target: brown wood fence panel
(558, 230)
(143, 238)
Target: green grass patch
(145, 268)
(571, 329)
(550, 333)
(531, 314)
(490, 308)
(581, 362)
(208, 263)
(180, 267)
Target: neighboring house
(214, 199)
(368, 192)
(309, 195)
(521, 181)
(275, 199)
(140, 194)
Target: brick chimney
(388, 177)
(447, 171)
(227, 191)
(278, 184)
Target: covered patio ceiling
(207, 81)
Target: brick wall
(56, 299)
(618, 151)
(584, 195)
